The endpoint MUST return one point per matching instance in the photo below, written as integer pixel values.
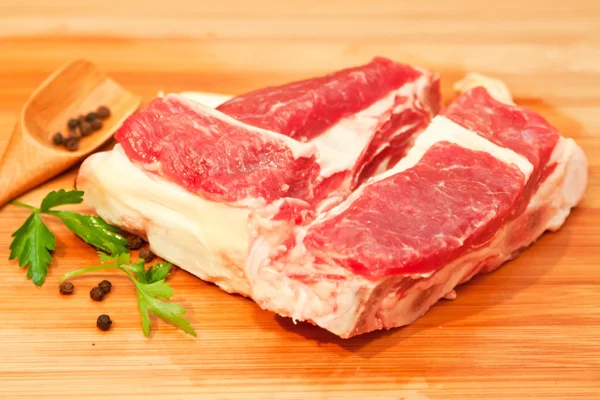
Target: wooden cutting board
(531, 329)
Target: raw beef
(215, 156)
(306, 109)
(187, 176)
(482, 182)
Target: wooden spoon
(31, 157)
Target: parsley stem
(52, 212)
(122, 268)
(86, 270)
(18, 203)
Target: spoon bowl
(31, 157)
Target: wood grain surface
(529, 330)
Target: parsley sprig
(33, 241)
(150, 286)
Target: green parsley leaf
(144, 314)
(31, 245)
(94, 230)
(139, 270)
(33, 240)
(157, 272)
(60, 198)
(148, 301)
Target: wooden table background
(531, 329)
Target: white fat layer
(442, 129)
(567, 154)
(299, 150)
(208, 239)
(341, 146)
(355, 305)
(212, 100)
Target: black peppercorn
(57, 138)
(134, 242)
(104, 322)
(72, 143)
(105, 286)
(103, 112)
(85, 129)
(73, 123)
(97, 294)
(91, 116)
(147, 254)
(96, 125)
(66, 288)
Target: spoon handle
(27, 163)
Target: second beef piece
(481, 183)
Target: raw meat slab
(471, 193)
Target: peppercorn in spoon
(31, 156)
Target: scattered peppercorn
(85, 129)
(73, 123)
(104, 322)
(72, 143)
(96, 125)
(103, 112)
(91, 116)
(57, 138)
(134, 242)
(97, 294)
(105, 286)
(66, 288)
(147, 254)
